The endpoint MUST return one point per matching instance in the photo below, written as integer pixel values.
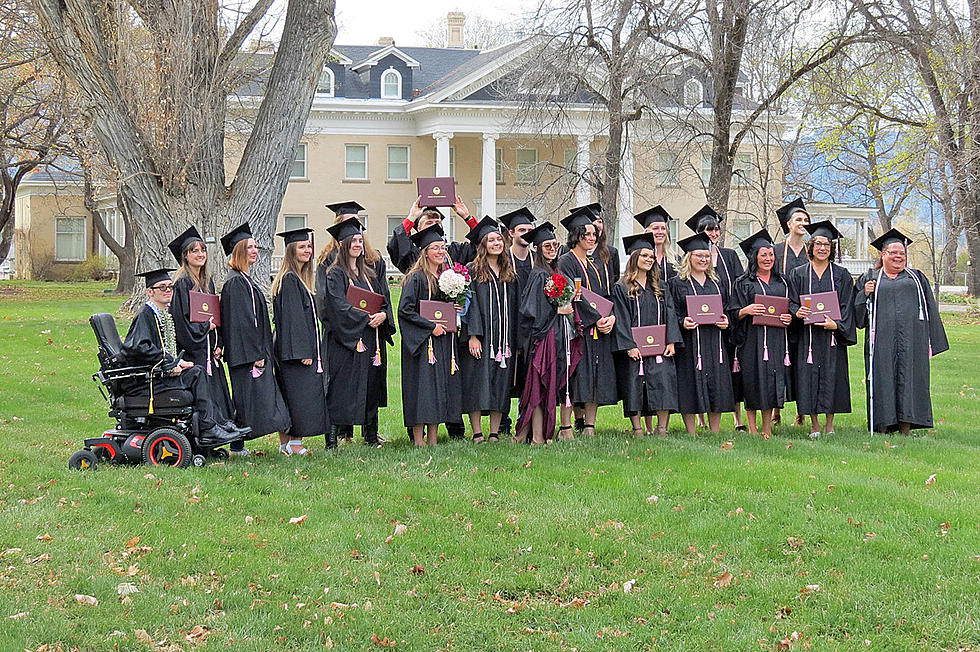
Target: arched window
(325, 86)
(391, 84)
(693, 93)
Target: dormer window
(693, 93)
(325, 86)
(391, 84)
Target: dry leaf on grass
(126, 588)
(417, 570)
(727, 446)
(794, 542)
(723, 580)
(48, 537)
(400, 529)
(87, 600)
(931, 479)
(143, 637)
(198, 634)
(576, 603)
(296, 520)
(382, 642)
(628, 585)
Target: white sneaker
(814, 435)
(242, 453)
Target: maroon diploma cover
(439, 312)
(650, 340)
(204, 307)
(437, 191)
(705, 308)
(601, 305)
(822, 304)
(775, 306)
(369, 302)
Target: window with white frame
(398, 162)
(355, 162)
(742, 170)
(113, 221)
(706, 168)
(293, 222)
(668, 169)
(527, 164)
(693, 93)
(391, 84)
(499, 164)
(69, 239)
(297, 169)
(394, 221)
(452, 161)
(325, 86)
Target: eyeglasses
(817, 243)
(551, 244)
(701, 256)
(163, 288)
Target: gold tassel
(360, 346)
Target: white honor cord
(873, 303)
(251, 289)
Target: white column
(442, 170)
(624, 199)
(488, 178)
(583, 191)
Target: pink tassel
(699, 362)
(376, 360)
(207, 366)
(507, 351)
(432, 354)
(660, 360)
(360, 348)
(735, 366)
(930, 349)
(319, 367)
(499, 356)
(568, 399)
(765, 353)
(809, 355)
(786, 361)
(641, 368)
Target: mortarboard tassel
(376, 360)
(360, 348)
(507, 351)
(930, 348)
(207, 365)
(595, 333)
(432, 354)
(452, 359)
(640, 373)
(765, 352)
(319, 365)
(699, 361)
(786, 361)
(809, 354)
(735, 366)
(660, 360)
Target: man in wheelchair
(151, 342)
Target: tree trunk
(6, 239)
(612, 166)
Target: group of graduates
(519, 335)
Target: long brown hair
(342, 260)
(239, 257)
(600, 243)
(304, 272)
(481, 266)
(371, 256)
(200, 279)
(633, 272)
(421, 266)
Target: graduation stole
(588, 282)
(166, 332)
(697, 337)
(360, 348)
(833, 288)
(498, 290)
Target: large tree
(156, 76)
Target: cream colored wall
(35, 228)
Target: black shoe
(580, 423)
(370, 435)
(331, 437)
(235, 430)
(456, 430)
(217, 434)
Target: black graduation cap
(236, 235)
(696, 242)
(483, 228)
(757, 240)
(295, 235)
(890, 236)
(154, 276)
(595, 207)
(581, 216)
(541, 234)
(182, 241)
(427, 236)
(346, 208)
(706, 215)
(518, 217)
(649, 216)
(347, 228)
(786, 211)
(824, 228)
(639, 241)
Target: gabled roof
(378, 55)
(484, 68)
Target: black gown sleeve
(474, 314)
(402, 250)
(415, 329)
(623, 308)
(143, 345)
(743, 295)
(846, 333)
(937, 332)
(321, 291)
(295, 333)
(461, 252)
(614, 266)
(536, 313)
(674, 335)
(861, 300)
(347, 323)
(242, 334)
(387, 329)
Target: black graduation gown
(903, 331)
(523, 271)
(727, 269)
(144, 346)
(820, 377)
(594, 380)
(247, 335)
(667, 271)
(404, 253)
(655, 389)
(358, 387)
(431, 393)
(786, 264)
(297, 338)
(198, 343)
(614, 266)
(708, 389)
(763, 351)
(492, 317)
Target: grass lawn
(678, 543)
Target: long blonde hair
(371, 256)
(632, 275)
(201, 280)
(481, 266)
(304, 272)
(684, 269)
(239, 257)
(421, 265)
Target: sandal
(569, 437)
(741, 429)
(639, 432)
(287, 448)
(478, 438)
(660, 432)
(589, 426)
(494, 437)
(815, 434)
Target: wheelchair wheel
(198, 461)
(166, 447)
(83, 459)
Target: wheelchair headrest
(106, 334)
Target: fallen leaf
(809, 589)
(628, 585)
(143, 637)
(723, 580)
(126, 588)
(931, 479)
(794, 542)
(198, 634)
(576, 603)
(417, 570)
(18, 616)
(400, 529)
(44, 537)
(727, 446)
(88, 600)
(382, 642)
(298, 519)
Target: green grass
(521, 548)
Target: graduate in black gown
(821, 379)
(704, 378)
(594, 381)
(727, 268)
(247, 335)
(648, 385)
(518, 223)
(656, 221)
(790, 254)
(356, 342)
(488, 341)
(895, 304)
(343, 211)
(431, 389)
(763, 351)
(301, 367)
(551, 336)
(152, 341)
(200, 341)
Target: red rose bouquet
(558, 291)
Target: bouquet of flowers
(454, 283)
(558, 291)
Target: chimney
(385, 41)
(454, 29)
